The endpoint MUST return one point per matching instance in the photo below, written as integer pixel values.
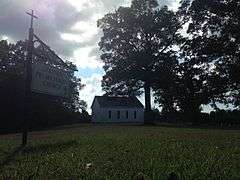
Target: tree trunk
(147, 118)
(147, 97)
(193, 114)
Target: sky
(69, 27)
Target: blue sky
(87, 72)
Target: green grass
(123, 152)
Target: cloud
(90, 90)
(55, 16)
(173, 4)
(83, 32)
(84, 58)
(66, 25)
(6, 38)
(85, 4)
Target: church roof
(120, 102)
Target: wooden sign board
(50, 80)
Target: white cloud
(84, 26)
(85, 4)
(83, 59)
(175, 5)
(92, 89)
(96, 17)
(6, 38)
(85, 31)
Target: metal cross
(32, 17)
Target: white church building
(109, 109)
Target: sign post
(28, 80)
(42, 77)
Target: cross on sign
(32, 17)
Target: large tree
(215, 37)
(137, 45)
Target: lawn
(122, 152)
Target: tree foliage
(137, 47)
(208, 70)
(214, 31)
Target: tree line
(187, 58)
(46, 111)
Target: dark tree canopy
(137, 45)
(215, 34)
(208, 59)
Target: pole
(28, 80)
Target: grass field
(122, 152)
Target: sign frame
(50, 80)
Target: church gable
(118, 102)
